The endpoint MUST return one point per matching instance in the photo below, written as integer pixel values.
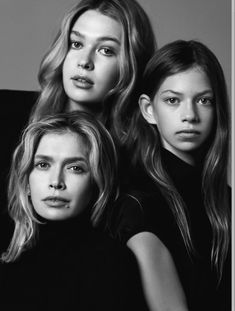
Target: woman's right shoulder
(128, 217)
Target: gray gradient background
(27, 28)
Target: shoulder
(105, 255)
(100, 244)
(112, 269)
(129, 216)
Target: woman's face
(60, 181)
(183, 110)
(91, 67)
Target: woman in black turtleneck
(62, 184)
(176, 218)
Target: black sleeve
(129, 217)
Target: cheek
(82, 197)
(37, 184)
(163, 120)
(209, 121)
(68, 64)
(64, 68)
(111, 74)
(82, 190)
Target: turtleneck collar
(64, 229)
(178, 169)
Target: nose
(86, 60)
(189, 113)
(57, 181)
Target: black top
(72, 267)
(150, 212)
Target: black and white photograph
(117, 153)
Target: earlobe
(146, 108)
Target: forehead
(65, 144)
(96, 24)
(193, 78)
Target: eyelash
(109, 51)
(41, 164)
(44, 166)
(80, 169)
(168, 100)
(208, 100)
(73, 42)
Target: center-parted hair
(144, 141)
(137, 46)
(102, 161)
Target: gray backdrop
(28, 26)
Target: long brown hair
(144, 143)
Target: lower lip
(57, 204)
(82, 84)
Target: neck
(93, 108)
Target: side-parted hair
(102, 161)
(138, 46)
(144, 142)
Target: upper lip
(76, 77)
(55, 198)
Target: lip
(82, 81)
(56, 201)
(188, 133)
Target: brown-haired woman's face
(183, 110)
(91, 67)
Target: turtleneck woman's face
(60, 181)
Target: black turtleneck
(71, 267)
(198, 279)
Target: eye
(77, 169)
(75, 44)
(42, 165)
(106, 51)
(205, 101)
(172, 100)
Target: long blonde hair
(102, 162)
(138, 45)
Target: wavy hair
(138, 45)
(102, 163)
(144, 142)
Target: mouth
(187, 133)
(82, 81)
(56, 201)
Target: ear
(146, 108)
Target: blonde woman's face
(60, 181)
(91, 67)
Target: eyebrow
(66, 160)
(179, 93)
(100, 39)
